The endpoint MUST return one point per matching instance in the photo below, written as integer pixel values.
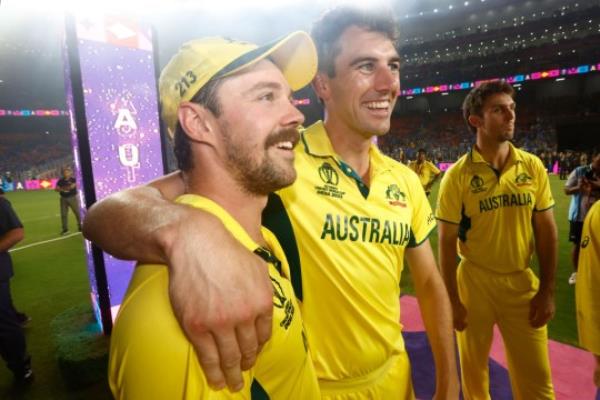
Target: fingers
(230, 357)
(208, 357)
(246, 337)
(264, 321)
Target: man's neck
(494, 153)
(244, 207)
(352, 147)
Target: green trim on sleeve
(547, 208)
(412, 243)
(450, 222)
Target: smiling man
(210, 92)
(493, 202)
(346, 225)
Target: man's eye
(395, 67)
(368, 67)
(267, 96)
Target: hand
(222, 296)
(459, 313)
(541, 309)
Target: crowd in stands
(446, 138)
(34, 156)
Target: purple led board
(112, 99)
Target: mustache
(283, 135)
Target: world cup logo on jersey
(328, 174)
(477, 184)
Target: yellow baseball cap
(200, 60)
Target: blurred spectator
(12, 339)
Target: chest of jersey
(487, 193)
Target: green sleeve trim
(547, 208)
(412, 243)
(444, 220)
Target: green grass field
(52, 277)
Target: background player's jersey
(426, 171)
(150, 357)
(588, 282)
(494, 209)
(345, 244)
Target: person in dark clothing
(12, 339)
(66, 187)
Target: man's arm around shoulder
(221, 293)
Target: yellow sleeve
(423, 221)
(434, 170)
(150, 357)
(543, 197)
(449, 202)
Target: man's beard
(264, 176)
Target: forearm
(572, 190)
(137, 224)
(448, 264)
(546, 243)
(10, 238)
(437, 317)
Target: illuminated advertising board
(112, 99)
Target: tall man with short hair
(346, 225)
(493, 202)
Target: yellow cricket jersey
(345, 244)
(150, 357)
(588, 281)
(494, 209)
(426, 171)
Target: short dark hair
(421, 150)
(207, 97)
(326, 31)
(473, 104)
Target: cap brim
(295, 55)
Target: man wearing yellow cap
(346, 225)
(230, 162)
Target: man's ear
(475, 121)
(320, 85)
(197, 122)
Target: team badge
(477, 184)
(523, 179)
(585, 242)
(395, 196)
